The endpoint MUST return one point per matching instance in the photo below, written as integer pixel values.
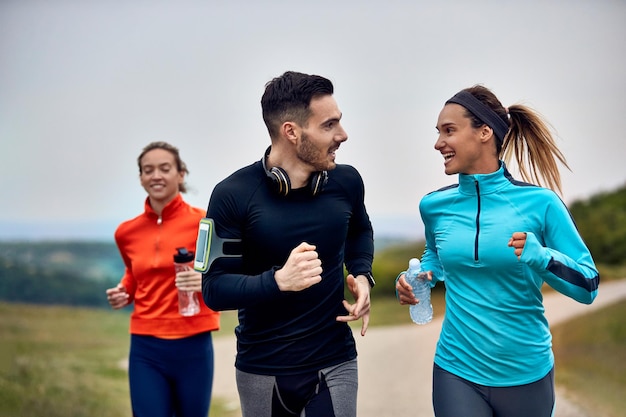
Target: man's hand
(302, 269)
(359, 287)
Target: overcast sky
(84, 85)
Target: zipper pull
(159, 220)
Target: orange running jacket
(147, 244)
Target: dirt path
(394, 362)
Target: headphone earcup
(280, 180)
(282, 185)
(317, 182)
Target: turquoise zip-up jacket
(495, 332)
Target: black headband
(483, 112)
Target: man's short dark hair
(287, 98)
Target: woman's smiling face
(465, 149)
(159, 175)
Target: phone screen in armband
(203, 245)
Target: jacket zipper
(157, 242)
(477, 221)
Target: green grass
(590, 355)
(63, 361)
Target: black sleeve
(360, 240)
(224, 286)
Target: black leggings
(454, 396)
(171, 377)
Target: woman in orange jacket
(171, 355)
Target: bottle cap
(183, 256)
(414, 263)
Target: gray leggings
(454, 396)
(329, 392)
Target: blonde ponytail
(531, 142)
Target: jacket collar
(484, 183)
(168, 211)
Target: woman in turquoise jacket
(495, 241)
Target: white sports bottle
(422, 312)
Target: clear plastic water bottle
(188, 303)
(422, 312)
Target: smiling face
(160, 177)
(322, 135)
(465, 149)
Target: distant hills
(55, 272)
(74, 263)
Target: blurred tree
(601, 221)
